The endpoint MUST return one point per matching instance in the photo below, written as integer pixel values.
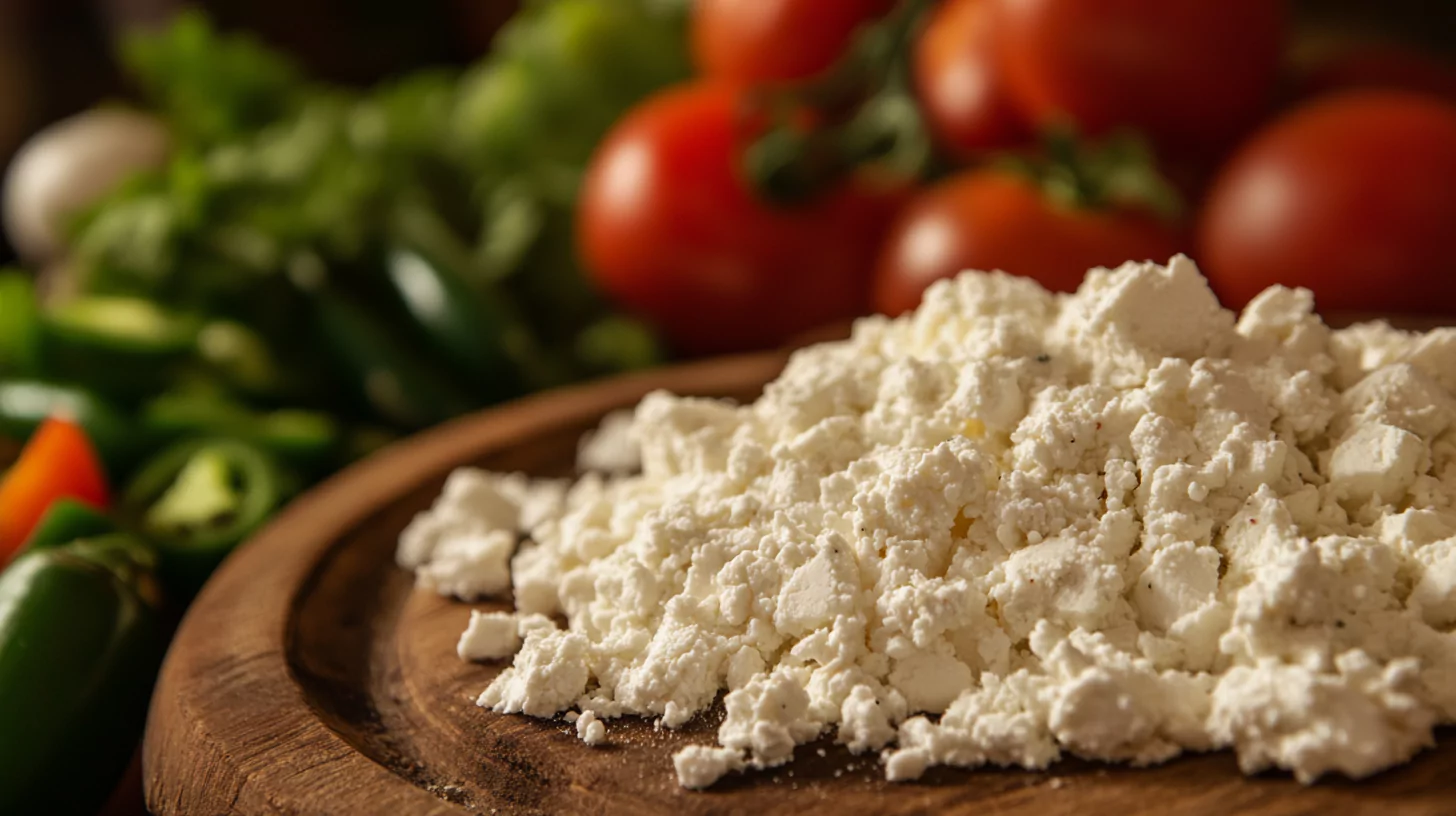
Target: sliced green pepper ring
(199, 499)
(124, 347)
(122, 324)
(304, 438)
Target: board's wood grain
(311, 678)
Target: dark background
(55, 56)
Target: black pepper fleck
(1043, 358)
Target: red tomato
(1352, 195)
(757, 41)
(1192, 74)
(1383, 66)
(669, 229)
(57, 462)
(996, 220)
(959, 83)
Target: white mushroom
(69, 166)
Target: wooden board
(311, 678)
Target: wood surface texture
(310, 677)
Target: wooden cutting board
(310, 677)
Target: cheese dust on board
(1009, 527)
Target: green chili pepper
(241, 358)
(65, 521)
(80, 645)
(305, 437)
(19, 325)
(123, 324)
(197, 500)
(119, 345)
(401, 387)
(24, 404)
(461, 324)
(470, 318)
(308, 439)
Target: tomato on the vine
(997, 220)
(755, 41)
(1352, 195)
(1192, 75)
(959, 84)
(670, 229)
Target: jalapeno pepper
(19, 325)
(80, 645)
(400, 387)
(199, 499)
(239, 356)
(122, 346)
(468, 316)
(308, 439)
(125, 325)
(67, 520)
(461, 324)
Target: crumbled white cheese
(463, 545)
(1010, 527)
(591, 730)
(612, 447)
(1377, 461)
(699, 766)
(1359, 719)
(489, 636)
(549, 674)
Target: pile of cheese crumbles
(1118, 524)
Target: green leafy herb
(282, 188)
(210, 87)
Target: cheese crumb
(1377, 461)
(612, 447)
(1010, 527)
(591, 730)
(463, 545)
(489, 636)
(699, 766)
